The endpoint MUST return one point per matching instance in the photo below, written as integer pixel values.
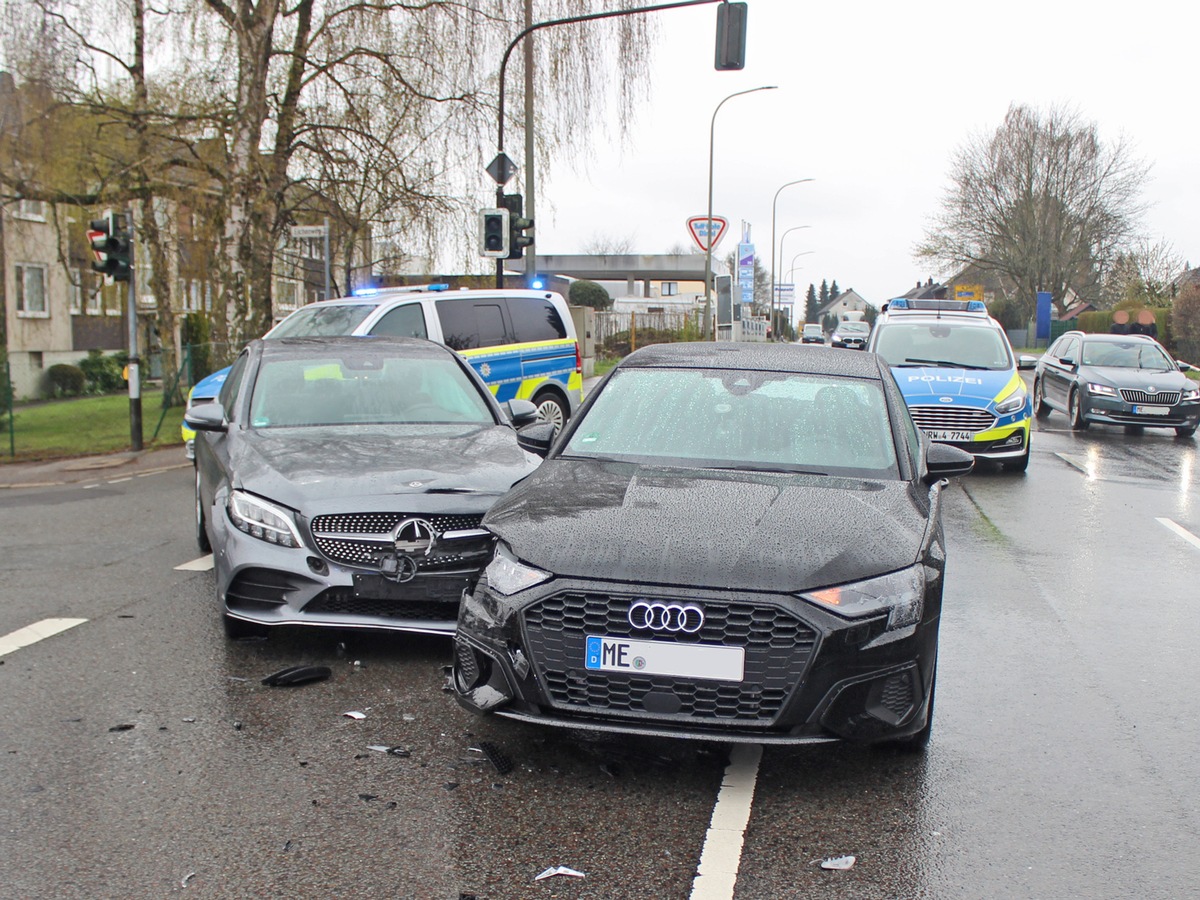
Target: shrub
(1185, 324)
(103, 373)
(65, 380)
(588, 293)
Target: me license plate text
(950, 435)
(707, 661)
(1152, 410)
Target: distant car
(812, 334)
(521, 342)
(1115, 379)
(729, 542)
(341, 482)
(851, 335)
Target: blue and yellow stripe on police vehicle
(519, 371)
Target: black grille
(260, 589)
(778, 648)
(376, 535)
(343, 601)
(898, 694)
(1162, 398)
(952, 418)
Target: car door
(212, 447)
(1060, 371)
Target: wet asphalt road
(1063, 763)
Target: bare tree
(1043, 202)
(1142, 274)
(608, 245)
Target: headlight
(263, 520)
(1014, 402)
(1094, 388)
(900, 594)
(1190, 392)
(507, 575)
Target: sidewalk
(91, 468)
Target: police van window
(535, 319)
(467, 324)
(229, 390)
(407, 320)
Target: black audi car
(730, 542)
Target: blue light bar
(365, 292)
(971, 306)
(439, 287)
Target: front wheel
(1078, 422)
(1020, 464)
(551, 410)
(1185, 431)
(201, 525)
(1041, 409)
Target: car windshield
(854, 328)
(322, 321)
(812, 329)
(1127, 355)
(758, 421)
(949, 344)
(364, 388)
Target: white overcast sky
(873, 99)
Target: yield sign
(698, 229)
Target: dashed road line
(38, 631)
(203, 564)
(1181, 531)
(722, 853)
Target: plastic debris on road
(840, 863)
(390, 751)
(294, 675)
(497, 758)
(354, 714)
(560, 870)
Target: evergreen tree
(824, 295)
(811, 306)
(834, 290)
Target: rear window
(534, 319)
(468, 324)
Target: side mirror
(521, 412)
(1183, 366)
(944, 461)
(536, 438)
(1067, 361)
(1026, 362)
(206, 417)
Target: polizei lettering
(947, 379)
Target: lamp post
(773, 202)
(794, 267)
(712, 131)
(782, 240)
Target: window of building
(31, 209)
(95, 302)
(75, 291)
(31, 289)
(669, 289)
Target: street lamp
(773, 201)
(794, 266)
(782, 241)
(712, 131)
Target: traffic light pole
(135, 380)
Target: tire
(237, 630)
(551, 408)
(1020, 464)
(202, 540)
(1075, 405)
(1041, 408)
(1185, 431)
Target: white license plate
(1152, 410)
(712, 662)
(950, 435)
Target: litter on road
(560, 870)
(294, 675)
(838, 862)
(354, 714)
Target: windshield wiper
(942, 363)
(779, 469)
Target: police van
(521, 342)
(959, 376)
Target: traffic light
(731, 36)
(518, 240)
(113, 246)
(493, 233)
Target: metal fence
(620, 333)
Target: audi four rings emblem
(671, 617)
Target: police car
(959, 376)
(522, 342)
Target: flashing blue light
(439, 287)
(976, 306)
(537, 284)
(365, 292)
(898, 303)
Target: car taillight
(578, 360)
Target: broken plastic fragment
(124, 727)
(186, 878)
(502, 763)
(838, 862)
(297, 675)
(559, 870)
(354, 714)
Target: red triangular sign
(698, 229)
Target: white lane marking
(1181, 531)
(38, 631)
(722, 854)
(203, 564)
(121, 480)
